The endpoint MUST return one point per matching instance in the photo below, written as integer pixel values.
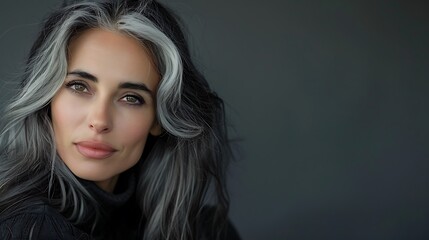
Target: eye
(77, 86)
(132, 100)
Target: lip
(95, 150)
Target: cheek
(65, 115)
(134, 130)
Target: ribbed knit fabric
(120, 218)
(39, 220)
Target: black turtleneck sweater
(39, 220)
(120, 218)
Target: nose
(99, 117)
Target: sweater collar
(123, 192)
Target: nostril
(99, 127)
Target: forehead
(111, 54)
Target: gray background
(329, 102)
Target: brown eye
(133, 100)
(77, 87)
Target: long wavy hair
(182, 170)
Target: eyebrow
(136, 86)
(124, 85)
(85, 75)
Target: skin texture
(100, 125)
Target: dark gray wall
(330, 99)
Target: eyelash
(72, 85)
(140, 100)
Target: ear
(156, 129)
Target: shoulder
(227, 232)
(38, 222)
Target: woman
(114, 134)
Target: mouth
(95, 150)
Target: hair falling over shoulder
(182, 170)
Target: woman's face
(105, 109)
